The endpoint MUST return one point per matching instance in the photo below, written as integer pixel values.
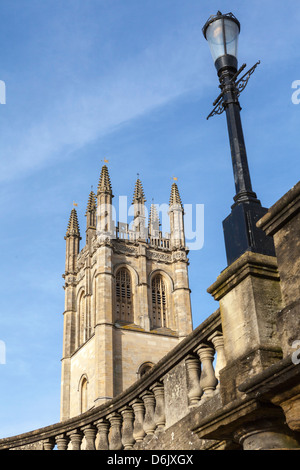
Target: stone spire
(92, 203)
(72, 243)
(177, 238)
(105, 225)
(138, 196)
(153, 215)
(104, 185)
(73, 226)
(139, 222)
(175, 196)
(91, 216)
(153, 221)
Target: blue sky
(131, 81)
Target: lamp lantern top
(221, 32)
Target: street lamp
(240, 231)
(222, 33)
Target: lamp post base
(241, 233)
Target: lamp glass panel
(231, 34)
(215, 38)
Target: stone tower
(127, 297)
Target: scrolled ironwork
(242, 82)
(219, 109)
(237, 87)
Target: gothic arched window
(124, 307)
(159, 302)
(83, 395)
(144, 368)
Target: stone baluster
(193, 367)
(218, 342)
(159, 414)
(62, 441)
(208, 381)
(115, 441)
(127, 427)
(76, 437)
(103, 430)
(90, 433)
(138, 426)
(48, 444)
(149, 402)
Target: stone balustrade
(122, 232)
(203, 376)
(145, 409)
(159, 242)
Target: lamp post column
(240, 231)
(241, 172)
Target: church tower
(127, 297)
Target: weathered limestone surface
(283, 222)
(126, 362)
(281, 383)
(176, 395)
(249, 295)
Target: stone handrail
(141, 410)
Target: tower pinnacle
(73, 226)
(139, 222)
(104, 185)
(138, 196)
(105, 225)
(175, 196)
(153, 221)
(176, 219)
(92, 204)
(91, 217)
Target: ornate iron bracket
(239, 86)
(217, 110)
(242, 82)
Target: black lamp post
(240, 231)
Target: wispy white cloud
(89, 109)
(82, 109)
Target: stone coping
(224, 422)
(281, 212)
(280, 378)
(249, 263)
